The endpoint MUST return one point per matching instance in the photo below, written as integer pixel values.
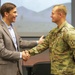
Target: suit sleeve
(27, 44)
(24, 43)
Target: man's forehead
(54, 9)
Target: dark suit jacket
(9, 57)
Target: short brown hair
(6, 7)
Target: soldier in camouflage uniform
(61, 44)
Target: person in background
(10, 42)
(61, 43)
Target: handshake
(25, 55)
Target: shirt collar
(9, 27)
(62, 24)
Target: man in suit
(10, 42)
(61, 43)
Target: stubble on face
(12, 15)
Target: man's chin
(53, 21)
(13, 21)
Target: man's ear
(60, 14)
(6, 14)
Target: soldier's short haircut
(61, 8)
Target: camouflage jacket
(61, 44)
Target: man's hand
(25, 55)
(41, 39)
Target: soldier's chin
(53, 21)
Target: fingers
(41, 39)
(25, 55)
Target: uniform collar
(61, 26)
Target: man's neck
(6, 21)
(60, 22)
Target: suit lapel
(17, 38)
(6, 30)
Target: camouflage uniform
(61, 44)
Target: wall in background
(34, 16)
